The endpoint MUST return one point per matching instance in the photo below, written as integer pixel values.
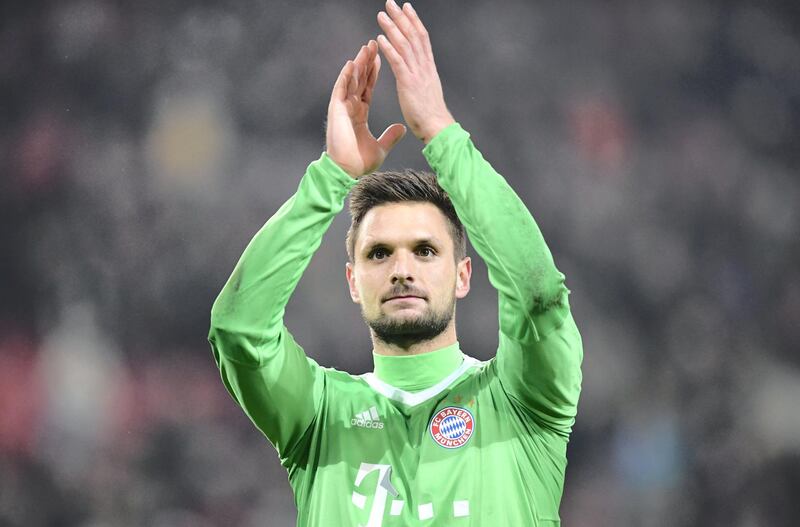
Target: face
(405, 249)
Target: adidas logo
(367, 419)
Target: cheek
(444, 283)
(368, 285)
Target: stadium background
(142, 144)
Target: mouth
(408, 297)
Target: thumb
(391, 136)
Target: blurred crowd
(142, 144)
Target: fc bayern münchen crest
(452, 427)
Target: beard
(404, 332)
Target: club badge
(452, 427)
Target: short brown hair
(393, 187)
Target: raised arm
(540, 349)
(261, 365)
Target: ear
(463, 274)
(351, 282)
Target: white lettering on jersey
(384, 487)
(382, 491)
(367, 419)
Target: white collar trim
(415, 398)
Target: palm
(349, 141)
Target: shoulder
(333, 376)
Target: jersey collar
(417, 372)
(415, 398)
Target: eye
(375, 252)
(429, 250)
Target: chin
(399, 314)
(400, 311)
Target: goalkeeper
(431, 436)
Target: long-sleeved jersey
(485, 445)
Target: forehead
(399, 223)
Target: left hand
(407, 48)
(349, 142)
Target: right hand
(349, 142)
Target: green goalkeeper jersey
(434, 439)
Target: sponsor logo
(452, 427)
(367, 419)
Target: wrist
(434, 128)
(344, 167)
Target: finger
(396, 62)
(363, 72)
(340, 86)
(391, 136)
(352, 79)
(404, 24)
(398, 40)
(373, 78)
(372, 48)
(361, 68)
(422, 32)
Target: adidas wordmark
(367, 419)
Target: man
(432, 436)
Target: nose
(402, 267)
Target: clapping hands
(407, 48)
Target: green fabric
(415, 372)
(365, 450)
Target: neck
(443, 339)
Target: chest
(459, 456)
(443, 429)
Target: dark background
(142, 144)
